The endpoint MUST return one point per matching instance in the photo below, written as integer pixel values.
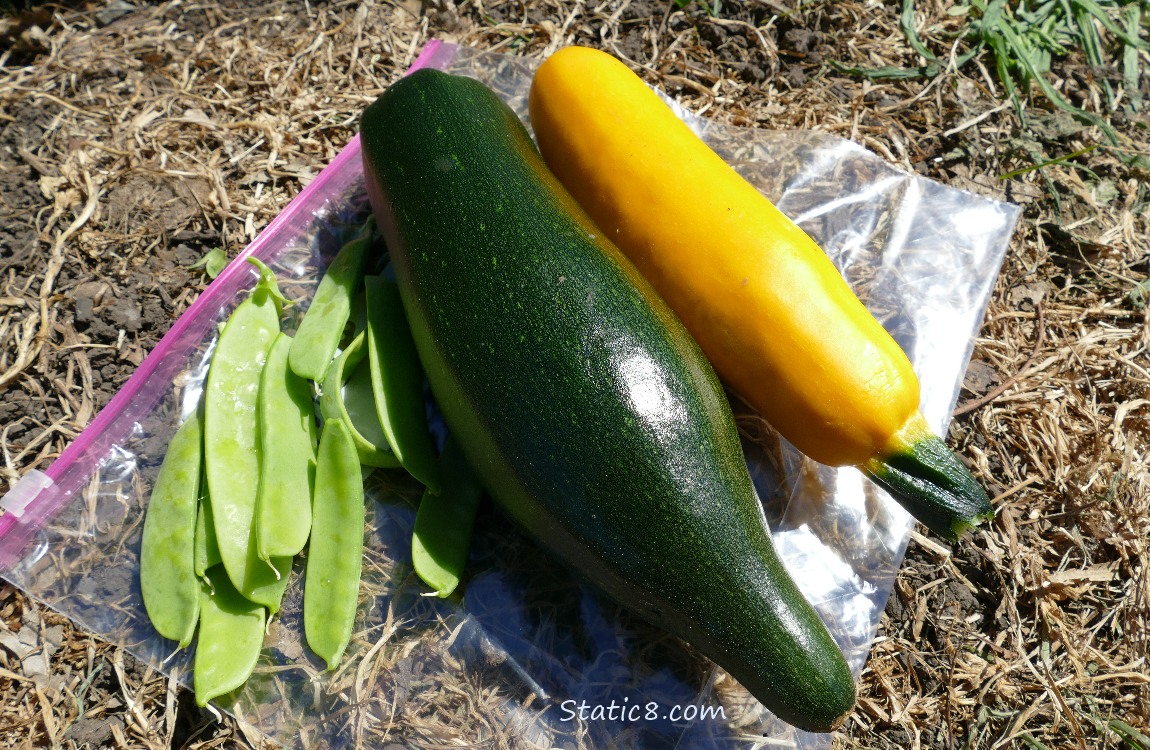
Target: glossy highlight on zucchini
(584, 406)
(773, 314)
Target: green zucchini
(587, 411)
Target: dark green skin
(933, 485)
(585, 407)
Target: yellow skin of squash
(772, 313)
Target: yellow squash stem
(764, 302)
(927, 479)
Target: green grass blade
(1067, 11)
(1032, 743)
(1131, 61)
(1041, 59)
(888, 72)
(1045, 13)
(996, 11)
(1046, 37)
(1020, 55)
(1131, 736)
(1092, 46)
(1002, 65)
(907, 22)
(967, 56)
(1107, 22)
(1048, 162)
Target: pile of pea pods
(271, 464)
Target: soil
(134, 140)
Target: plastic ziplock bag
(527, 650)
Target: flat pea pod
(444, 522)
(347, 395)
(231, 636)
(286, 417)
(321, 329)
(335, 553)
(207, 552)
(231, 446)
(168, 581)
(397, 381)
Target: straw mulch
(134, 139)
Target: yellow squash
(766, 305)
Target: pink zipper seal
(16, 500)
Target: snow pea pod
(335, 553)
(231, 636)
(231, 447)
(347, 395)
(321, 329)
(207, 551)
(444, 521)
(397, 381)
(286, 420)
(168, 582)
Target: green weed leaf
(213, 262)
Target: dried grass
(150, 138)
